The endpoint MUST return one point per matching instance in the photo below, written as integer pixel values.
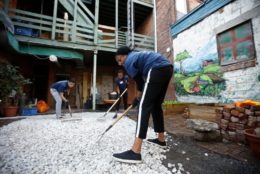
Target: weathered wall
(165, 17)
(199, 42)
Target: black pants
(152, 98)
(125, 97)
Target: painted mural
(199, 74)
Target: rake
(102, 118)
(71, 118)
(113, 123)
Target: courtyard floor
(42, 144)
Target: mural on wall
(199, 74)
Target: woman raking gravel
(152, 73)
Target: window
(236, 47)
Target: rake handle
(111, 125)
(115, 102)
(70, 110)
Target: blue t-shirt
(122, 83)
(61, 86)
(142, 62)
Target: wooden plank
(87, 10)
(106, 34)
(203, 112)
(86, 30)
(85, 36)
(86, 86)
(144, 40)
(23, 12)
(31, 20)
(31, 26)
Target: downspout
(155, 25)
(95, 55)
(116, 23)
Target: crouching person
(157, 72)
(57, 91)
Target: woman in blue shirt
(121, 82)
(152, 73)
(57, 91)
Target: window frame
(236, 64)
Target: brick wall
(165, 17)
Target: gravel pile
(43, 144)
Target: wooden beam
(54, 19)
(73, 38)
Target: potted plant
(11, 83)
(253, 137)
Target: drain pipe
(155, 25)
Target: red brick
(235, 112)
(240, 109)
(232, 126)
(257, 113)
(249, 112)
(255, 108)
(226, 115)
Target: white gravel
(43, 144)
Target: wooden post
(54, 19)
(96, 22)
(73, 38)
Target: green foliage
(169, 102)
(206, 78)
(212, 68)
(10, 79)
(188, 83)
(181, 56)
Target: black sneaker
(128, 157)
(115, 116)
(157, 142)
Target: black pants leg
(152, 98)
(118, 104)
(125, 98)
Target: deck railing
(41, 26)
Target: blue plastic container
(29, 111)
(23, 31)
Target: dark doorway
(41, 73)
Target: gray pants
(58, 101)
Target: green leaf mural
(188, 83)
(212, 68)
(181, 56)
(207, 82)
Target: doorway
(41, 73)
